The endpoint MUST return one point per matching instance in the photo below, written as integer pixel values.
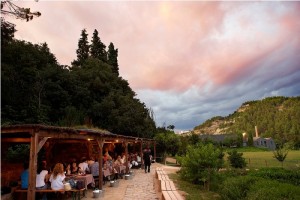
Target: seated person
(57, 177)
(83, 166)
(118, 166)
(68, 169)
(41, 177)
(90, 161)
(74, 168)
(95, 169)
(24, 176)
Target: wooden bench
(160, 173)
(167, 185)
(74, 192)
(171, 195)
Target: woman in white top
(41, 177)
(57, 177)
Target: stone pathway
(140, 187)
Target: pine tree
(112, 56)
(98, 48)
(83, 49)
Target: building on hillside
(263, 142)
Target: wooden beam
(16, 140)
(154, 149)
(100, 143)
(32, 166)
(126, 156)
(41, 143)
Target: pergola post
(126, 156)
(154, 149)
(32, 165)
(100, 161)
(141, 152)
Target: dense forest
(276, 117)
(90, 92)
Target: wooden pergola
(37, 135)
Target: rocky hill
(277, 117)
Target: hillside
(276, 117)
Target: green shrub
(236, 188)
(272, 190)
(236, 159)
(201, 163)
(279, 174)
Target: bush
(236, 188)
(279, 174)
(201, 163)
(272, 190)
(236, 159)
(254, 188)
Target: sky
(187, 61)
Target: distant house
(264, 143)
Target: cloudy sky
(188, 61)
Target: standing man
(147, 160)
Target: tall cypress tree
(83, 49)
(98, 48)
(112, 56)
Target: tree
(236, 159)
(7, 31)
(83, 49)
(98, 48)
(167, 143)
(9, 8)
(201, 163)
(112, 58)
(281, 152)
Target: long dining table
(86, 178)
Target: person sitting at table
(24, 176)
(83, 166)
(57, 177)
(68, 169)
(95, 169)
(91, 161)
(74, 168)
(41, 178)
(119, 167)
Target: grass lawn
(266, 159)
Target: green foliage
(98, 48)
(201, 163)
(18, 152)
(112, 58)
(281, 152)
(272, 190)
(236, 188)
(36, 89)
(83, 49)
(278, 174)
(253, 188)
(236, 159)
(167, 143)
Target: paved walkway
(141, 187)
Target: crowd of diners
(55, 176)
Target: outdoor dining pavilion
(63, 142)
